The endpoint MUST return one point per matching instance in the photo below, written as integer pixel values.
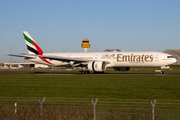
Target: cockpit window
(169, 56)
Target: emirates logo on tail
(32, 46)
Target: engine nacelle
(97, 66)
(121, 68)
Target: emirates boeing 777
(96, 61)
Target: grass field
(174, 69)
(88, 86)
(124, 91)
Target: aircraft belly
(136, 64)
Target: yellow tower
(85, 44)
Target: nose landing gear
(163, 68)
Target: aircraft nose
(175, 60)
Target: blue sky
(61, 25)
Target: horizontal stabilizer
(25, 56)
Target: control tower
(85, 44)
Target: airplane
(13, 68)
(96, 61)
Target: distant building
(22, 65)
(19, 64)
(5, 67)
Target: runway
(120, 74)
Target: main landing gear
(88, 72)
(162, 72)
(84, 72)
(98, 72)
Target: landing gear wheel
(98, 72)
(86, 72)
(162, 72)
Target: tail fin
(32, 46)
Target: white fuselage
(114, 59)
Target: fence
(83, 108)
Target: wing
(67, 59)
(70, 59)
(76, 61)
(50, 57)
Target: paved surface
(131, 74)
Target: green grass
(121, 93)
(174, 69)
(91, 86)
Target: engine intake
(97, 66)
(121, 68)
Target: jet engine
(97, 66)
(121, 68)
